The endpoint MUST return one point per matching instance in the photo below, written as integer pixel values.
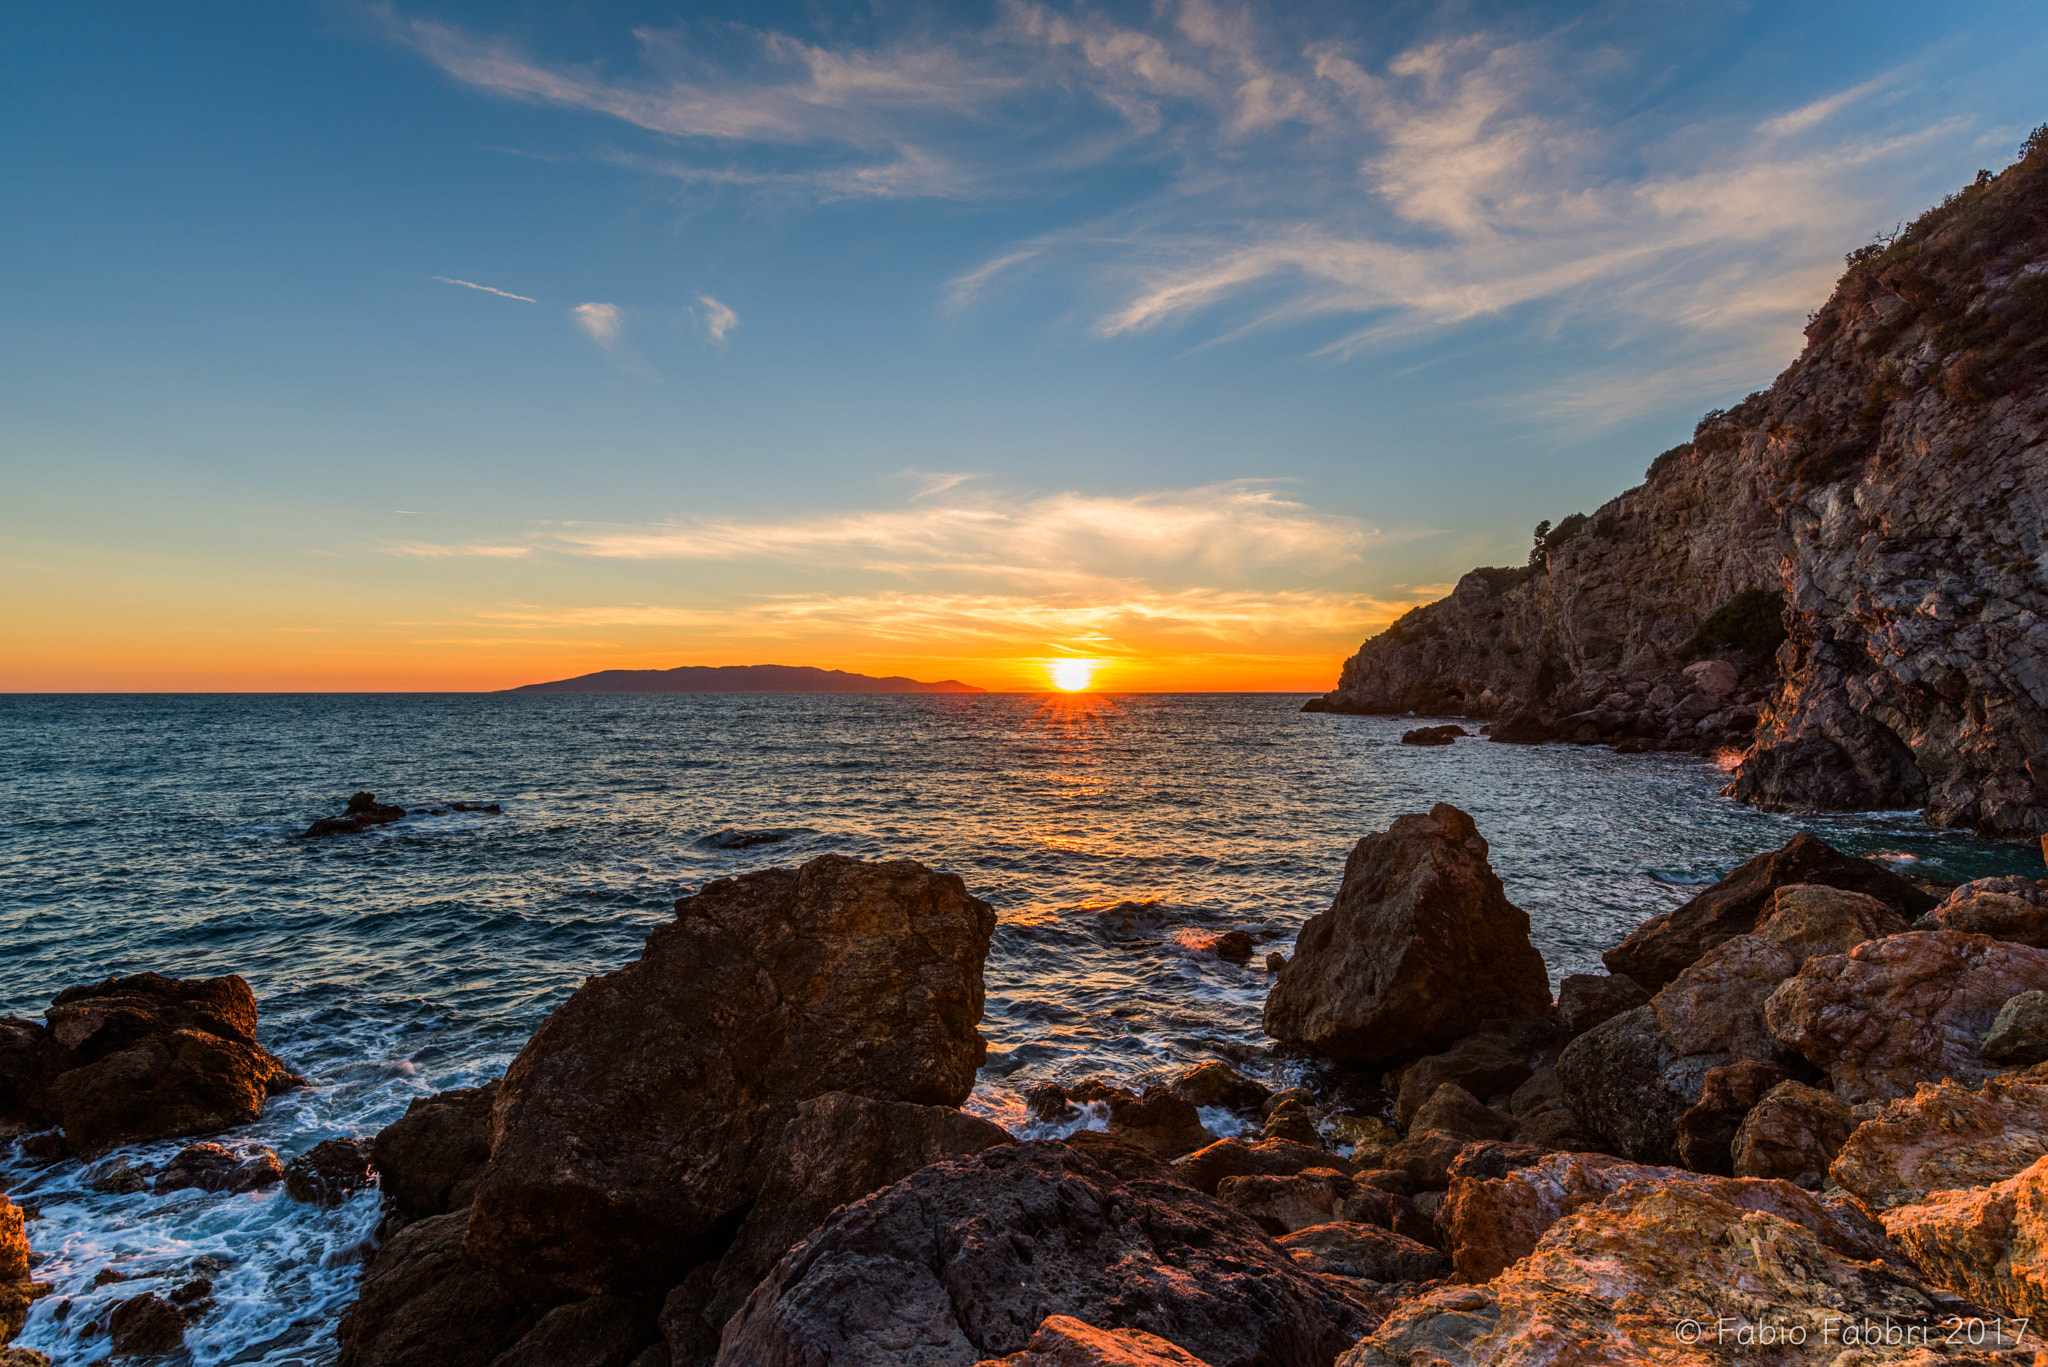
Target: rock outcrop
(215, 1167)
(964, 1260)
(18, 1287)
(1859, 545)
(1987, 1244)
(135, 1059)
(1420, 946)
(2004, 908)
(639, 1124)
(1946, 1135)
(1063, 1341)
(430, 1159)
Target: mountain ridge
(741, 679)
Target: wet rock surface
(963, 1261)
(215, 1167)
(330, 1172)
(362, 812)
(636, 1127)
(1420, 947)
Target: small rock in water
(45, 1144)
(1216, 1083)
(1433, 735)
(215, 1167)
(107, 1276)
(2020, 1034)
(1130, 920)
(1275, 961)
(363, 811)
(198, 1289)
(120, 1177)
(734, 838)
(1047, 1102)
(1291, 1121)
(1161, 1121)
(330, 1172)
(144, 1326)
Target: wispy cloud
(718, 319)
(472, 285)
(426, 550)
(602, 323)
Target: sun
(1072, 676)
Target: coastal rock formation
(1627, 1083)
(1493, 1062)
(1988, 1244)
(362, 812)
(1705, 1133)
(1793, 1133)
(1665, 945)
(1813, 918)
(1206, 1168)
(430, 1159)
(1614, 1280)
(1063, 1341)
(423, 1304)
(1946, 1135)
(136, 1059)
(1907, 1009)
(964, 1260)
(1860, 545)
(1420, 946)
(2004, 908)
(1585, 1000)
(639, 1123)
(838, 1149)
(145, 1326)
(1320, 1196)
(1216, 1083)
(18, 1288)
(2020, 1032)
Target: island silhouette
(741, 679)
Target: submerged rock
(965, 1260)
(1665, 945)
(1907, 1009)
(136, 1059)
(144, 1326)
(1433, 735)
(1420, 946)
(636, 1127)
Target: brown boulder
(330, 1172)
(2019, 1033)
(1812, 918)
(1716, 1005)
(1062, 1341)
(143, 1326)
(1366, 1252)
(18, 1289)
(639, 1122)
(1946, 1135)
(838, 1149)
(1420, 946)
(2014, 909)
(1453, 1111)
(1426, 1156)
(1706, 1132)
(215, 1167)
(1206, 1168)
(1291, 1122)
(1626, 1083)
(1988, 1244)
(1160, 1120)
(1584, 1000)
(963, 1260)
(1216, 1083)
(1793, 1133)
(1487, 1064)
(1663, 946)
(1616, 1280)
(424, 1304)
(1907, 1009)
(136, 1059)
(430, 1159)
(1281, 1205)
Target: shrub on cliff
(1752, 620)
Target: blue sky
(1196, 338)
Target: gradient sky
(432, 345)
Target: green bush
(1752, 620)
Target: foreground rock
(1665, 945)
(430, 1159)
(1613, 1281)
(330, 1172)
(639, 1123)
(423, 1304)
(1627, 1082)
(1907, 1009)
(1420, 946)
(1986, 1244)
(1063, 1341)
(964, 1260)
(1946, 1135)
(136, 1059)
(18, 1289)
(2013, 909)
(838, 1149)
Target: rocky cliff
(1845, 576)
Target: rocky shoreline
(1813, 1098)
(1839, 581)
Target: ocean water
(159, 833)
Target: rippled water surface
(159, 833)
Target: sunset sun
(1072, 676)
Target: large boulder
(430, 1159)
(963, 1261)
(135, 1059)
(1793, 1133)
(1216, 1083)
(1907, 1009)
(1945, 1135)
(641, 1121)
(1813, 918)
(215, 1167)
(1640, 1276)
(423, 1304)
(1161, 1120)
(1206, 1168)
(1706, 1131)
(1420, 946)
(1988, 1244)
(1660, 949)
(1367, 1253)
(1716, 1006)
(2013, 909)
(1584, 1000)
(1492, 1062)
(1319, 1196)
(2019, 1033)
(837, 1150)
(1626, 1082)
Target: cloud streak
(472, 285)
(718, 319)
(601, 323)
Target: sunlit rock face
(639, 1122)
(1888, 487)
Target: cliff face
(1890, 489)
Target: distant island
(741, 679)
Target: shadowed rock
(215, 1167)
(637, 1126)
(330, 1172)
(430, 1159)
(1585, 1000)
(1420, 946)
(363, 812)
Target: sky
(426, 345)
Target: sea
(163, 833)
